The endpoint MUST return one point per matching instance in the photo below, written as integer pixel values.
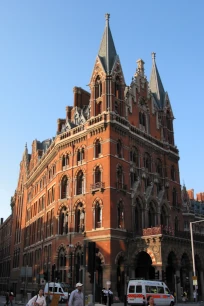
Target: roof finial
(107, 16)
(26, 145)
(153, 56)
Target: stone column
(178, 287)
(191, 285)
(202, 285)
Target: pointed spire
(107, 51)
(155, 84)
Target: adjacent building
(110, 175)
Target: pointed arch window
(97, 175)
(64, 188)
(119, 177)
(142, 119)
(118, 89)
(80, 155)
(174, 197)
(79, 218)
(151, 215)
(97, 148)
(134, 156)
(147, 162)
(65, 161)
(133, 178)
(120, 219)
(80, 183)
(164, 216)
(119, 148)
(98, 215)
(98, 88)
(63, 221)
(159, 167)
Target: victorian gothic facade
(110, 175)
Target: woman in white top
(37, 300)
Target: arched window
(98, 88)
(120, 215)
(65, 161)
(80, 183)
(82, 154)
(142, 119)
(79, 218)
(151, 215)
(64, 188)
(134, 156)
(159, 167)
(78, 155)
(119, 148)
(97, 148)
(118, 91)
(173, 173)
(133, 178)
(98, 216)
(164, 216)
(119, 177)
(147, 162)
(174, 197)
(63, 221)
(97, 175)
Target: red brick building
(111, 175)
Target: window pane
(160, 289)
(138, 289)
(131, 289)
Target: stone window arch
(63, 221)
(119, 177)
(98, 87)
(97, 175)
(64, 187)
(119, 148)
(98, 215)
(80, 183)
(79, 218)
(134, 156)
(97, 148)
(65, 161)
(147, 162)
(151, 215)
(120, 215)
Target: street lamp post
(192, 248)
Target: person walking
(37, 300)
(194, 295)
(11, 296)
(150, 301)
(76, 297)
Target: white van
(139, 290)
(56, 288)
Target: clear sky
(48, 47)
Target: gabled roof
(155, 84)
(107, 52)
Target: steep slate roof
(107, 52)
(155, 84)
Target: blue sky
(48, 47)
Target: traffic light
(45, 276)
(156, 275)
(53, 272)
(178, 280)
(163, 275)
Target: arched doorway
(144, 268)
(99, 279)
(184, 272)
(171, 270)
(120, 278)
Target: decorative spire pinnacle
(107, 51)
(155, 84)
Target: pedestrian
(11, 296)
(37, 300)
(104, 296)
(76, 297)
(110, 297)
(7, 298)
(194, 295)
(150, 301)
